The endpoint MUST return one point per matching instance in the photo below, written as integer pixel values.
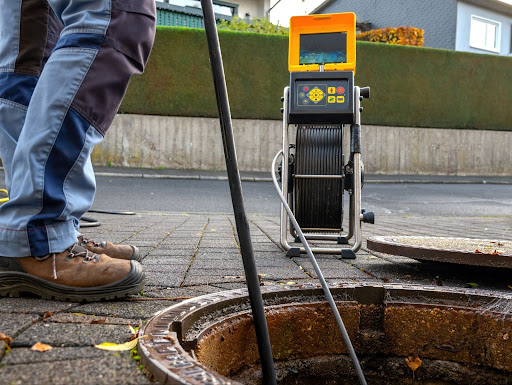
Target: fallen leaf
(118, 347)
(99, 321)
(46, 315)
(413, 363)
(40, 347)
(7, 340)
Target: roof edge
(493, 5)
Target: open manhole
(446, 336)
(465, 251)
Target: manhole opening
(401, 337)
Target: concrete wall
(436, 17)
(464, 12)
(195, 143)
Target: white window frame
(481, 19)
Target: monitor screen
(322, 48)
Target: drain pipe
(235, 185)
(325, 287)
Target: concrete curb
(368, 179)
(182, 177)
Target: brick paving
(188, 254)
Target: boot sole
(16, 284)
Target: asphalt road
(138, 194)
(211, 196)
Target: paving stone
(177, 270)
(18, 356)
(172, 250)
(191, 291)
(165, 261)
(81, 318)
(124, 309)
(13, 323)
(57, 334)
(165, 279)
(33, 305)
(110, 369)
(210, 280)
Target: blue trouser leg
(66, 113)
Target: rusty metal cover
(491, 253)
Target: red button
(340, 90)
(306, 88)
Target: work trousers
(64, 69)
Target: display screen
(322, 48)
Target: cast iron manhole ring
(167, 351)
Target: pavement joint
(195, 253)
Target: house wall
(285, 9)
(436, 17)
(256, 8)
(464, 12)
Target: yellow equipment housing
(325, 39)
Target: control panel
(321, 97)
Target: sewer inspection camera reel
(319, 101)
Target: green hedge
(411, 86)
(178, 79)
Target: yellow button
(331, 99)
(316, 94)
(331, 90)
(340, 99)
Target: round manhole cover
(465, 251)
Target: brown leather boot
(75, 274)
(113, 251)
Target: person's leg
(51, 182)
(23, 35)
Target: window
(485, 34)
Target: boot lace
(83, 241)
(74, 252)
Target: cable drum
(318, 201)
